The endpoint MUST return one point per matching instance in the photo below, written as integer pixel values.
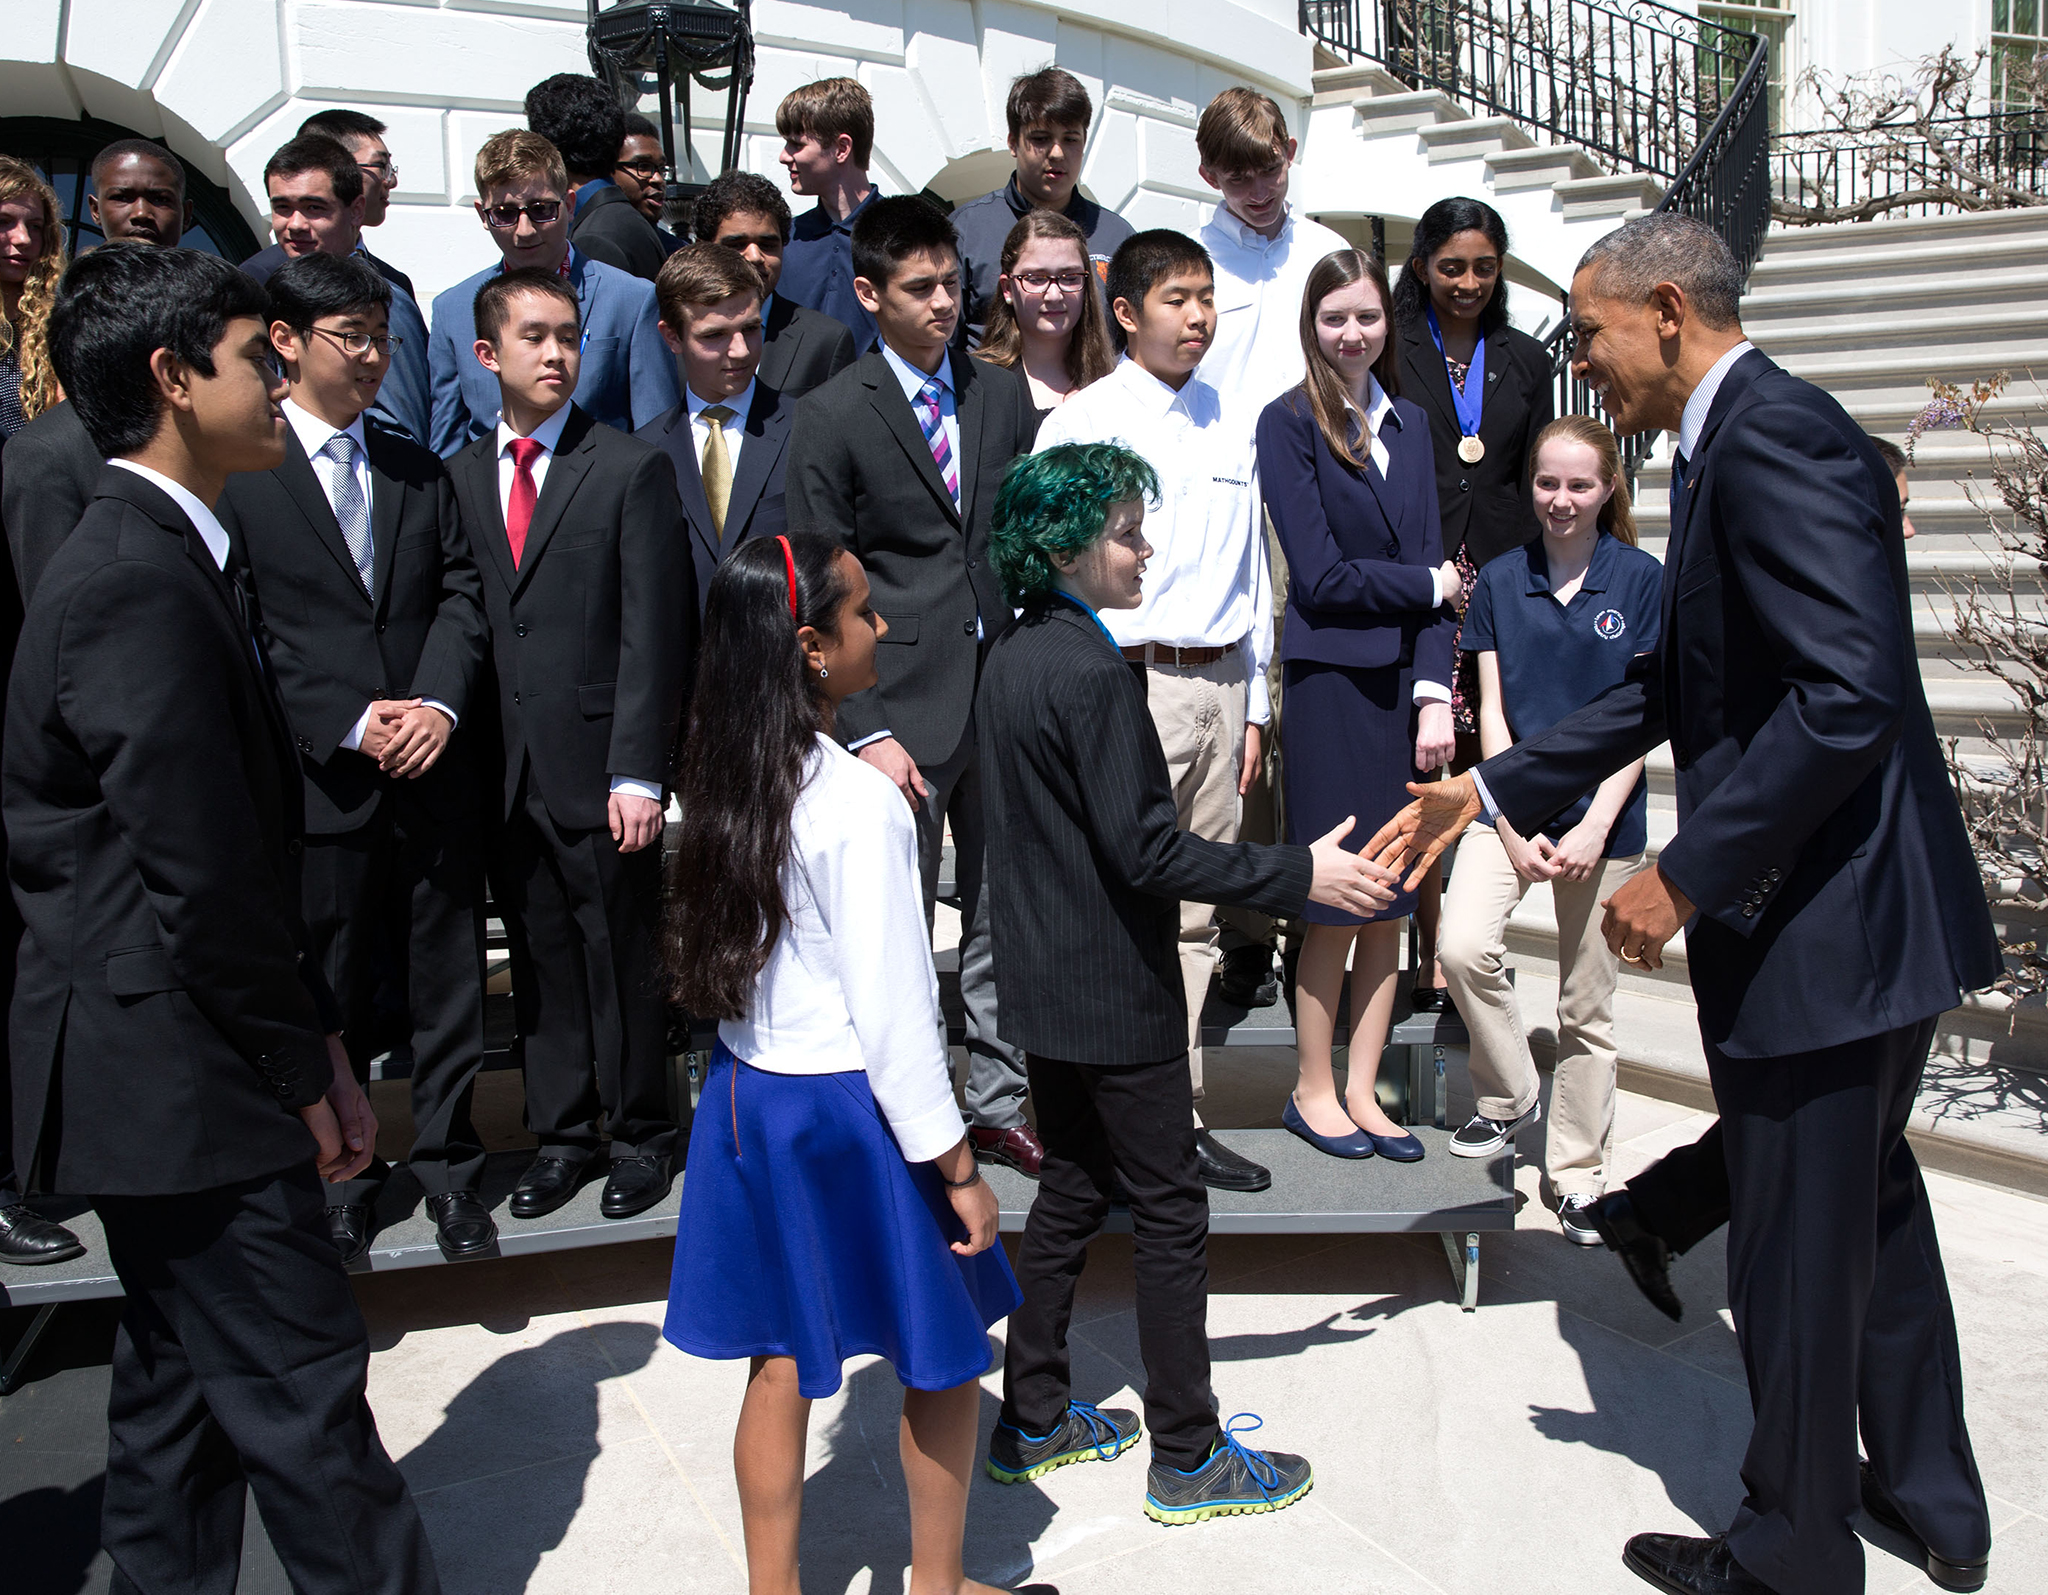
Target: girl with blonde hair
(31, 261)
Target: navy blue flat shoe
(1355, 1145)
(1402, 1148)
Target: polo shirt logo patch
(1609, 624)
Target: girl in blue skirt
(831, 1205)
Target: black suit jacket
(1818, 833)
(52, 466)
(1487, 508)
(594, 634)
(1087, 866)
(860, 469)
(801, 348)
(164, 1024)
(334, 646)
(757, 507)
(611, 228)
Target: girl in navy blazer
(1349, 478)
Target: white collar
(203, 520)
(1233, 227)
(913, 379)
(548, 434)
(314, 433)
(1694, 421)
(741, 403)
(1377, 405)
(1159, 397)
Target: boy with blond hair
(628, 377)
(828, 137)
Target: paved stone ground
(558, 1445)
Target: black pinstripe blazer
(1086, 868)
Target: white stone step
(1621, 194)
(1856, 296)
(2008, 335)
(1473, 137)
(1943, 256)
(1407, 112)
(1848, 237)
(1342, 85)
(1509, 171)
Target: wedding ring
(1632, 958)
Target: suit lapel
(566, 471)
(387, 504)
(475, 470)
(302, 487)
(679, 439)
(1733, 392)
(1431, 376)
(886, 394)
(767, 430)
(969, 403)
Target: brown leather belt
(1161, 653)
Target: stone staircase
(1869, 312)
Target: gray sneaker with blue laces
(1234, 1481)
(1085, 1434)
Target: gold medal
(1471, 450)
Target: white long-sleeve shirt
(1207, 584)
(1259, 283)
(849, 985)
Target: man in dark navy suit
(801, 348)
(729, 438)
(1832, 905)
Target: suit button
(520, 630)
(974, 564)
(968, 627)
(295, 847)
(1749, 911)
(515, 697)
(380, 628)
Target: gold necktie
(717, 466)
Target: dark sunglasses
(541, 212)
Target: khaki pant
(1199, 712)
(1482, 893)
(1263, 819)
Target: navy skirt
(1348, 738)
(804, 1234)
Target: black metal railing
(1994, 161)
(1636, 83)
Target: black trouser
(239, 1366)
(411, 883)
(588, 918)
(10, 948)
(1682, 1198)
(1834, 1275)
(1137, 1122)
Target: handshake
(1365, 882)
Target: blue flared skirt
(804, 1234)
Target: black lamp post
(660, 45)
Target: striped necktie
(935, 434)
(345, 493)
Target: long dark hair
(1439, 225)
(754, 719)
(1325, 388)
(1090, 354)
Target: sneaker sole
(1489, 1150)
(1039, 1470)
(1196, 1514)
(1581, 1237)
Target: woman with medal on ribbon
(1487, 390)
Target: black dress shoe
(547, 1184)
(1687, 1566)
(349, 1225)
(30, 1239)
(1964, 1576)
(1017, 1148)
(1425, 999)
(1644, 1255)
(462, 1224)
(1245, 978)
(635, 1185)
(1223, 1170)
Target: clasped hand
(406, 736)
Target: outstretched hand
(1347, 880)
(1415, 838)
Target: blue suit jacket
(628, 376)
(403, 399)
(1360, 547)
(1817, 830)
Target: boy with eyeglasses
(362, 135)
(627, 376)
(1049, 113)
(641, 175)
(583, 119)
(375, 626)
(319, 204)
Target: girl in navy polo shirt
(1555, 624)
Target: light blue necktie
(345, 493)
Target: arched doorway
(62, 151)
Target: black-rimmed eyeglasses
(359, 344)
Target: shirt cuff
(874, 736)
(1432, 692)
(454, 719)
(625, 785)
(354, 740)
(1258, 707)
(1487, 806)
(1436, 588)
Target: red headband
(789, 570)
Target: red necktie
(519, 511)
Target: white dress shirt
(314, 435)
(1259, 282)
(913, 379)
(741, 404)
(1208, 585)
(849, 985)
(204, 521)
(549, 436)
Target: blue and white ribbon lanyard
(1468, 400)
